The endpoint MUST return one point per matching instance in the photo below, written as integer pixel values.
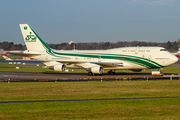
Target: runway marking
(36, 101)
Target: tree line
(170, 46)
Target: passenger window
(141, 50)
(163, 50)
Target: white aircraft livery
(94, 61)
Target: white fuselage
(129, 56)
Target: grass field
(167, 108)
(161, 109)
(136, 109)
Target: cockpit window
(163, 50)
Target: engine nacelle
(58, 67)
(136, 70)
(97, 69)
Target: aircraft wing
(103, 64)
(78, 63)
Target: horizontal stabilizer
(5, 57)
(20, 53)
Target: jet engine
(58, 67)
(97, 69)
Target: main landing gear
(111, 72)
(90, 73)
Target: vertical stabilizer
(31, 39)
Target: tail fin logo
(30, 38)
(25, 28)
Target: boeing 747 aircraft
(94, 61)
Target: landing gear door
(150, 57)
(76, 58)
(99, 59)
(46, 57)
(137, 50)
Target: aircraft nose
(174, 59)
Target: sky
(59, 21)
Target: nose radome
(174, 59)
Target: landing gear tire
(90, 74)
(111, 73)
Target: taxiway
(69, 77)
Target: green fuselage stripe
(134, 59)
(137, 60)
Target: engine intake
(97, 70)
(58, 67)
